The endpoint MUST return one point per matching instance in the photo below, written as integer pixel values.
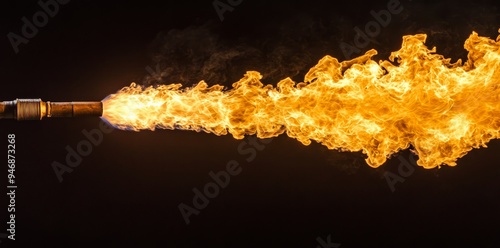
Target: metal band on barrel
(28, 109)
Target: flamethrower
(417, 99)
(36, 109)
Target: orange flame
(417, 98)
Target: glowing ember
(417, 98)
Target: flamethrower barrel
(36, 109)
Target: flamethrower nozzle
(36, 109)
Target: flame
(417, 98)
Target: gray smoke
(197, 53)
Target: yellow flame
(417, 98)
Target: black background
(127, 191)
